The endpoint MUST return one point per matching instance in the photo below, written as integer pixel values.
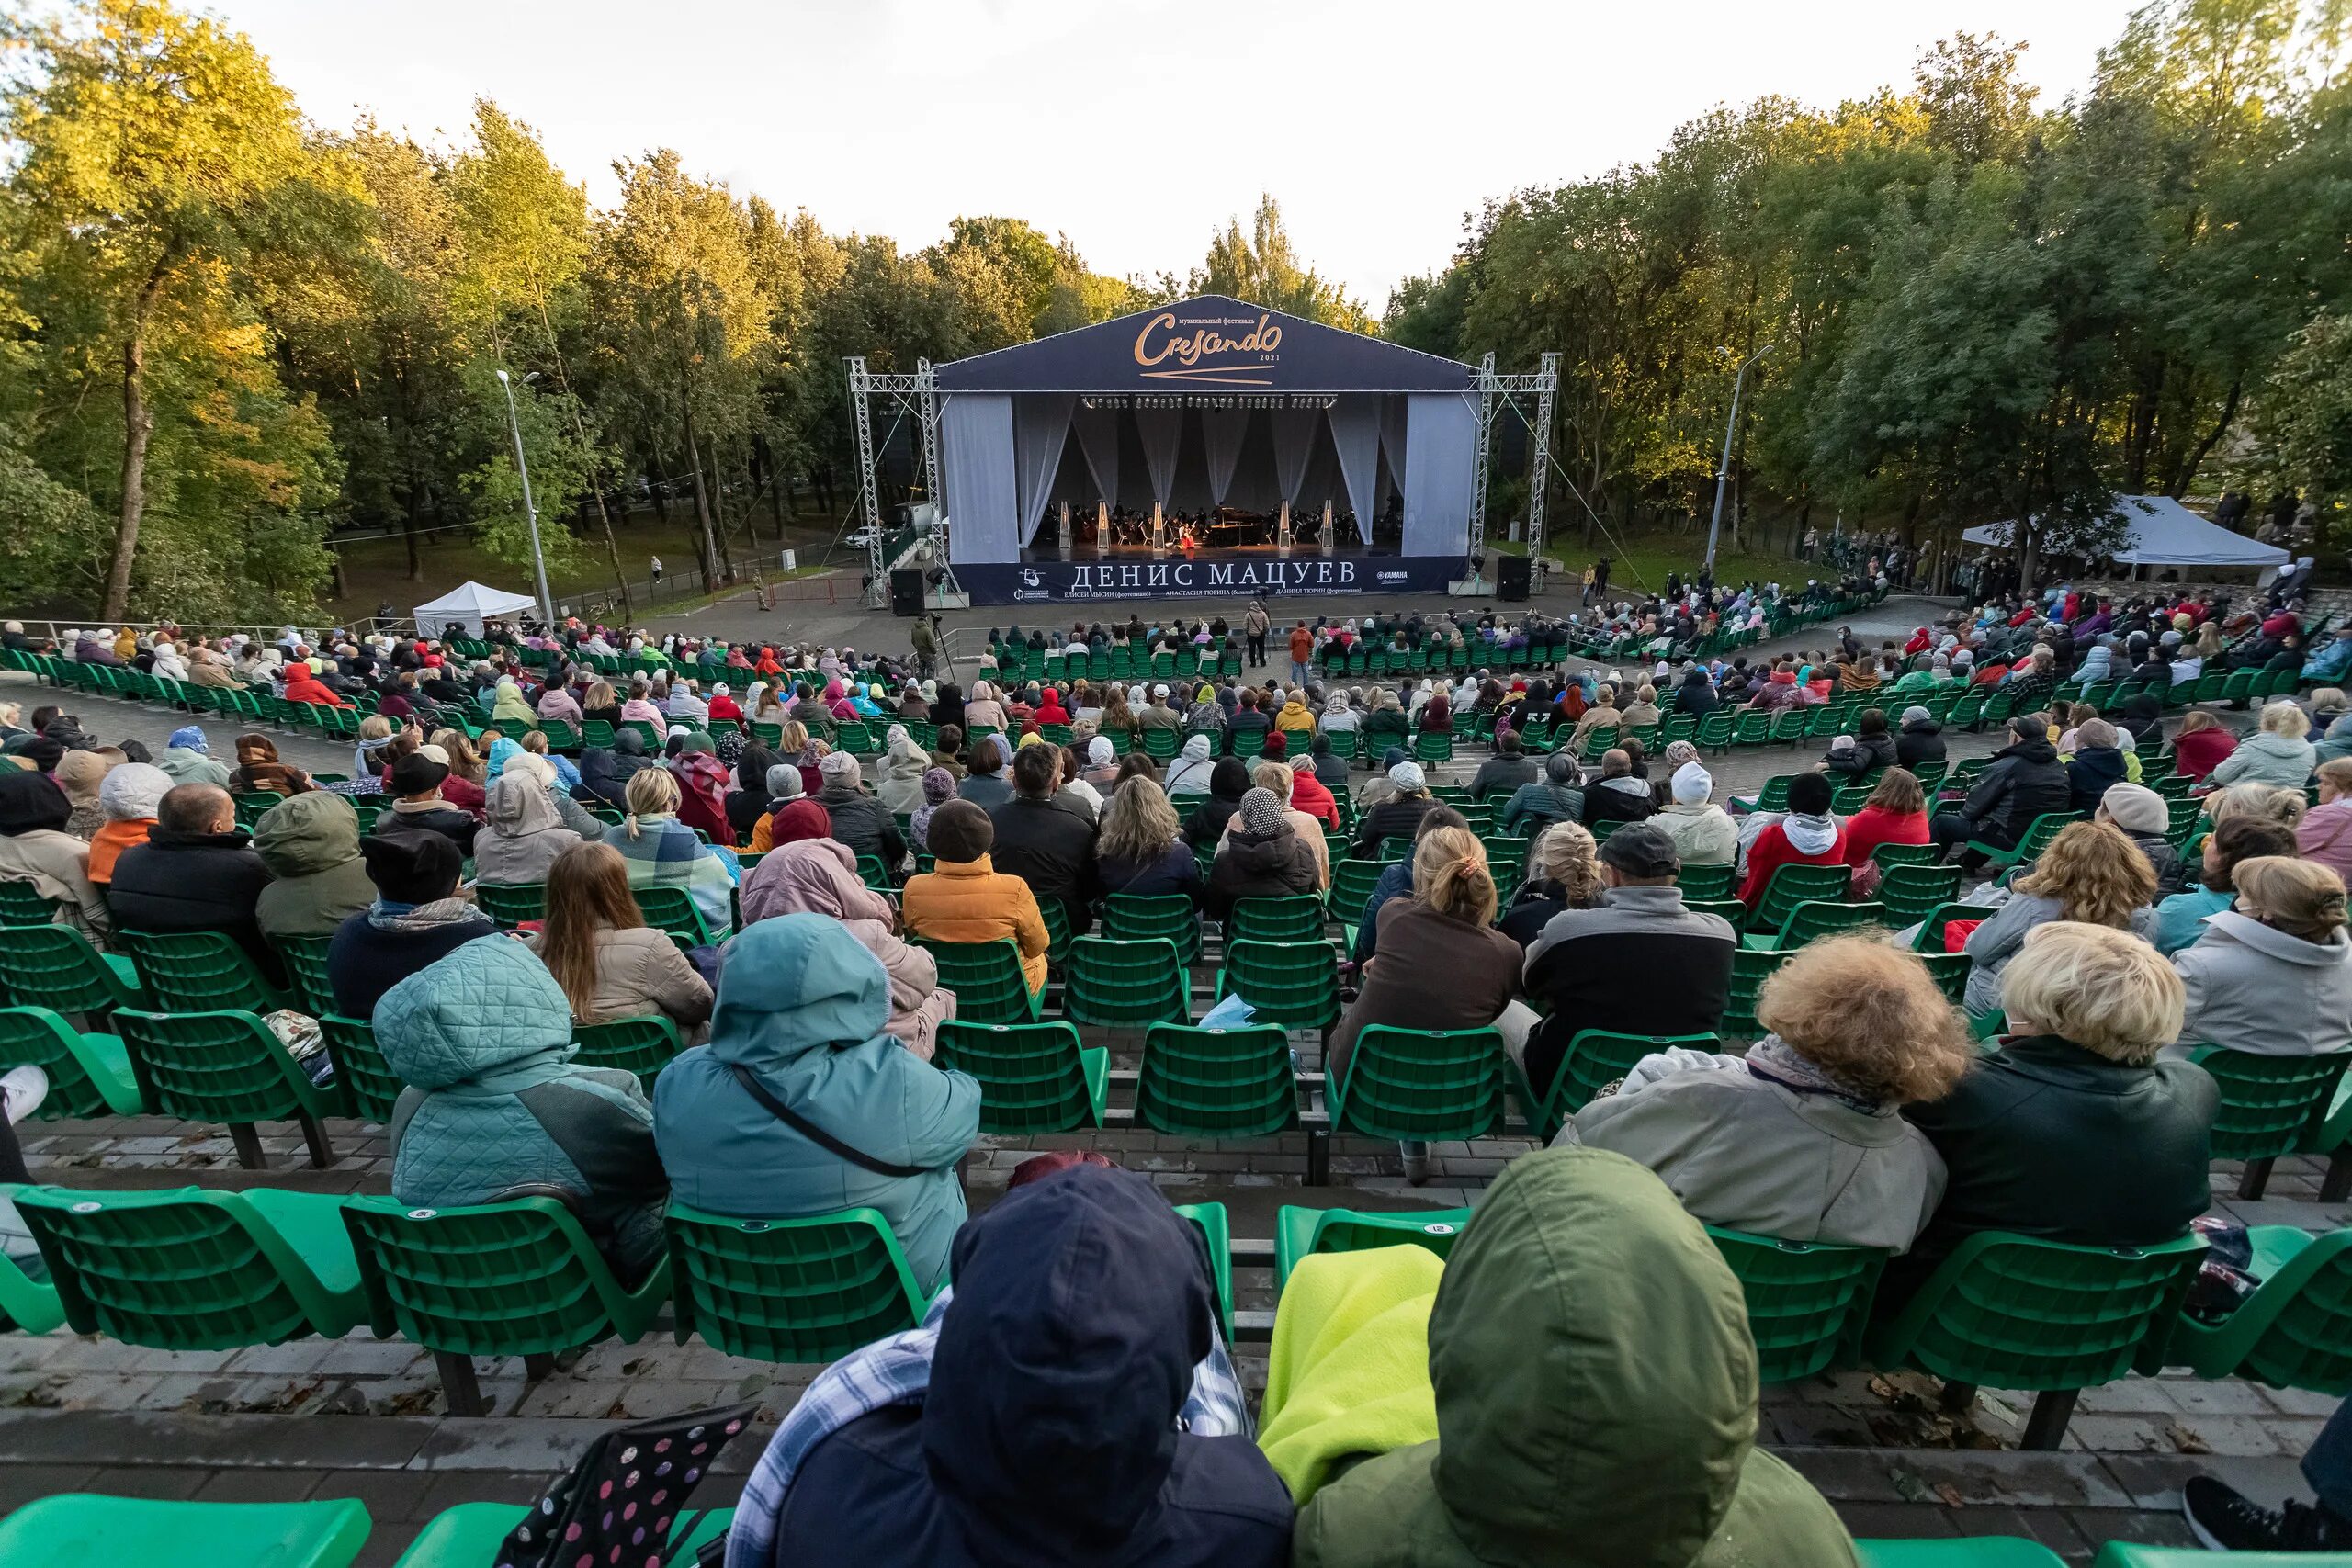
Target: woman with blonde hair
(1140, 849)
(1803, 1137)
(610, 963)
(662, 851)
(2092, 873)
(2278, 754)
(2272, 977)
(464, 786)
(2325, 836)
(1445, 929)
(1563, 874)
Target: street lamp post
(530, 510)
(1722, 469)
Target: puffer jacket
(195, 881)
(1551, 1446)
(2091, 770)
(819, 877)
(973, 902)
(804, 1008)
(2023, 780)
(863, 824)
(2255, 989)
(1921, 742)
(1704, 834)
(482, 1038)
(310, 844)
(2264, 757)
(1247, 865)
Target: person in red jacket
(1308, 792)
(1806, 835)
(1897, 813)
(2201, 744)
(302, 686)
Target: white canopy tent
(2162, 533)
(469, 603)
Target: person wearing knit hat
(802, 818)
(1702, 834)
(128, 798)
(938, 789)
(1398, 814)
(2145, 818)
(1408, 778)
(1262, 857)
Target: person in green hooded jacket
(1595, 1383)
(310, 844)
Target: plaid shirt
(896, 1371)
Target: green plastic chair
(672, 910)
(226, 1067)
(22, 905)
(643, 1046)
(2017, 1313)
(369, 1086)
(987, 980)
(305, 958)
(1125, 984)
(89, 1074)
(1432, 746)
(2129, 1555)
(1909, 890)
(1705, 882)
(2295, 1331)
(1351, 885)
(1133, 916)
(1959, 1551)
(1774, 795)
(1294, 984)
(55, 966)
(1216, 1083)
(1034, 1078)
(2037, 834)
(1808, 1303)
(1749, 969)
(1216, 1235)
(25, 1303)
(511, 903)
(192, 1269)
(511, 1278)
(1794, 885)
(81, 1527)
(1423, 1084)
(199, 972)
(2271, 1106)
(805, 1290)
(1302, 1232)
(1815, 918)
(1595, 1059)
(468, 1535)
(1298, 919)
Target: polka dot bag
(621, 1502)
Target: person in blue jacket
(804, 1008)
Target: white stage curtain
(1294, 432)
(1098, 438)
(1040, 426)
(1355, 435)
(1163, 431)
(1393, 442)
(1221, 433)
(983, 499)
(1440, 443)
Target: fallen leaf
(2185, 1440)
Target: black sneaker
(2227, 1521)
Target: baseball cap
(1639, 850)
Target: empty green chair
(1125, 985)
(1216, 1083)
(226, 1067)
(1958, 1551)
(1596, 1058)
(1422, 1084)
(1034, 1078)
(1351, 885)
(1808, 1303)
(1433, 747)
(22, 905)
(1302, 1232)
(1292, 984)
(1774, 795)
(1298, 919)
(305, 958)
(198, 972)
(1216, 1235)
(672, 910)
(1790, 886)
(81, 1528)
(512, 903)
(1134, 917)
(55, 966)
(1816, 918)
(2295, 1331)
(1909, 890)
(515, 1278)
(370, 1088)
(2271, 1106)
(1749, 969)
(89, 1074)
(2037, 834)
(987, 979)
(2013, 1312)
(191, 1270)
(1705, 882)
(643, 1045)
(806, 1290)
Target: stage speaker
(906, 591)
(1511, 576)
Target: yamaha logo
(1029, 578)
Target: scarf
(1775, 1061)
(386, 916)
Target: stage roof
(1209, 344)
(2164, 533)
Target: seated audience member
(196, 872)
(1399, 815)
(2091, 874)
(259, 769)
(1703, 832)
(2023, 780)
(1140, 850)
(815, 874)
(1445, 929)
(1619, 795)
(2325, 837)
(748, 802)
(604, 772)
(2272, 977)
(129, 797)
(1509, 768)
(1262, 856)
(525, 837)
(987, 785)
(938, 789)
(416, 919)
(2241, 835)
(1639, 1458)
(1228, 782)
(80, 773)
(35, 848)
(1806, 835)
(2279, 753)
(609, 963)
(899, 777)
(1396, 881)
(1189, 773)
(964, 897)
(859, 820)
(702, 787)
(1554, 798)
(2097, 764)
(1309, 795)
(1276, 778)
(2200, 745)
(2074, 1129)
(1579, 964)
(1921, 744)
(1563, 874)
(318, 880)
(1873, 748)
(1069, 1402)
(1803, 1138)
(187, 758)
(662, 851)
(1046, 842)
(800, 1040)
(418, 805)
(2144, 818)
(1897, 813)
(784, 789)
(482, 1039)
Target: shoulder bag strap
(811, 1131)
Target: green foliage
(2307, 418)
(1263, 267)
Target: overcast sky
(1136, 126)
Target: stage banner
(1303, 577)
